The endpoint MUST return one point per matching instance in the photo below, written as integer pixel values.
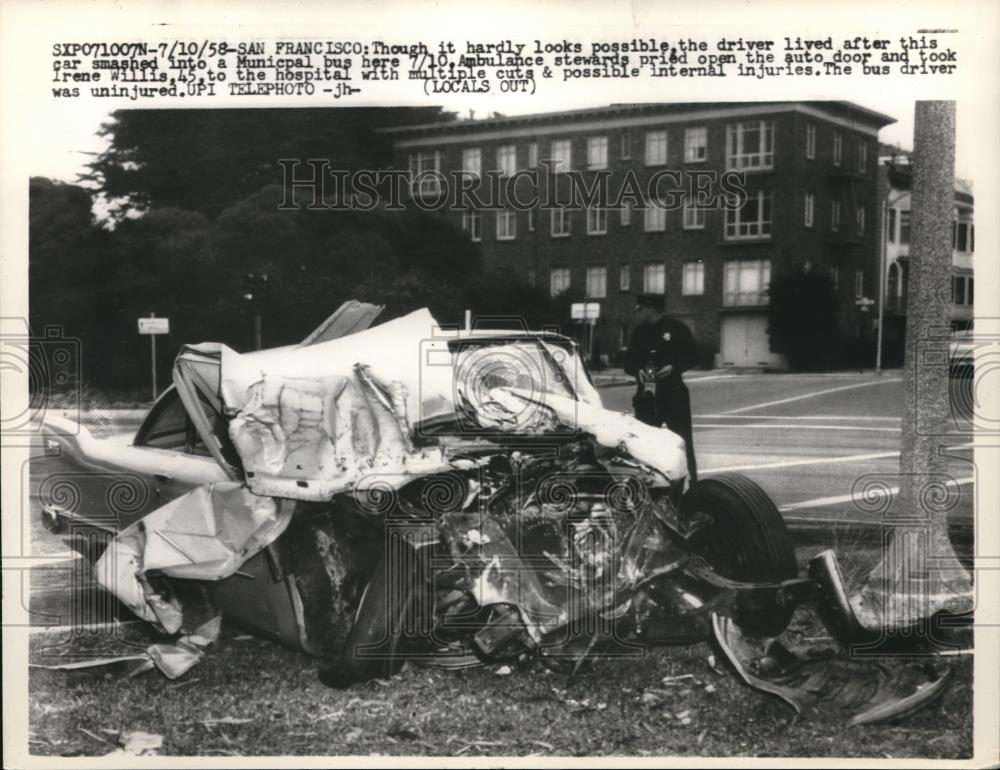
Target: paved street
(807, 439)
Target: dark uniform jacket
(655, 345)
(666, 341)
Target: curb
(810, 529)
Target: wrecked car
(399, 492)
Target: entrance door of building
(744, 341)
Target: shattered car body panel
(473, 481)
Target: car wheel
(743, 537)
(386, 614)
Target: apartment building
(897, 180)
(809, 171)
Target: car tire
(747, 540)
(387, 611)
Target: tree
(68, 266)
(205, 159)
(802, 319)
(920, 574)
(198, 195)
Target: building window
(655, 218)
(507, 159)
(422, 163)
(892, 285)
(533, 155)
(694, 217)
(746, 282)
(654, 278)
(859, 282)
(597, 282)
(506, 225)
(626, 149)
(561, 154)
(835, 216)
(597, 221)
(963, 237)
(962, 290)
(862, 156)
(810, 210)
(597, 152)
(750, 145)
(531, 276)
(624, 278)
(859, 216)
(472, 161)
(838, 148)
(625, 213)
(656, 148)
(753, 220)
(811, 141)
(558, 281)
(693, 282)
(695, 144)
(472, 224)
(560, 223)
(904, 227)
(835, 278)
(892, 226)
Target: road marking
(879, 429)
(794, 463)
(814, 394)
(819, 460)
(711, 378)
(797, 417)
(836, 499)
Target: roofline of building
(872, 117)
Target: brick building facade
(810, 175)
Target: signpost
(153, 326)
(588, 312)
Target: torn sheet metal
(312, 438)
(173, 659)
(561, 555)
(394, 352)
(657, 447)
(206, 534)
(833, 687)
(350, 318)
(310, 423)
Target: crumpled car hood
(335, 417)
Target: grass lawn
(252, 697)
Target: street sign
(154, 325)
(585, 311)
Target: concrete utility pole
(920, 574)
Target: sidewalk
(610, 378)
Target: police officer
(659, 351)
